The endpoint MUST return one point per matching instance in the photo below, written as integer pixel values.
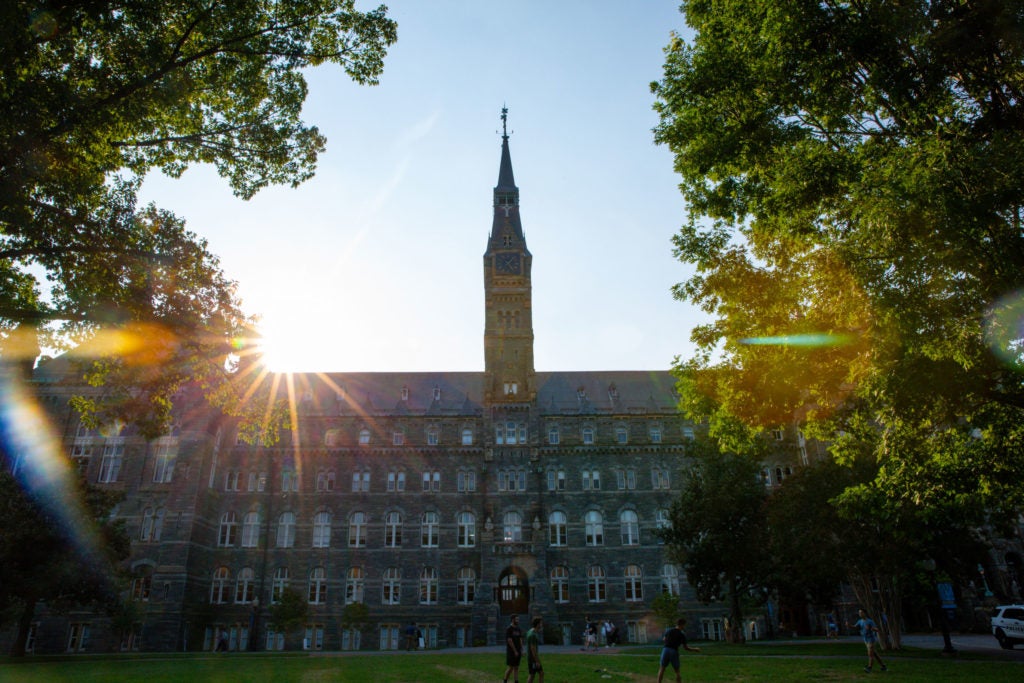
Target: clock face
(507, 263)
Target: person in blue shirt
(674, 639)
(869, 632)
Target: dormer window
(511, 388)
(613, 392)
(581, 393)
(437, 393)
(405, 393)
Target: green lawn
(717, 662)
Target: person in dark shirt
(513, 649)
(674, 639)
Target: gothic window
(357, 530)
(512, 524)
(354, 586)
(428, 586)
(396, 481)
(322, 530)
(432, 481)
(591, 480)
(281, 580)
(250, 529)
(655, 434)
(659, 478)
(466, 522)
(429, 529)
(164, 455)
(554, 437)
(558, 529)
(360, 481)
(670, 579)
(324, 481)
(391, 586)
(142, 584)
(588, 436)
(465, 586)
(466, 480)
(597, 588)
(113, 458)
(634, 583)
(317, 586)
(286, 530)
(228, 529)
(630, 528)
(245, 586)
(560, 584)
(594, 527)
(219, 586)
(393, 530)
(621, 436)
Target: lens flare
(36, 459)
(1004, 329)
(806, 340)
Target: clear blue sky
(376, 264)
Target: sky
(376, 263)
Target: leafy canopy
(93, 96)
(851, 172)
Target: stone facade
(449, 499)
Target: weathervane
(504, 122)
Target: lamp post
(930, 567)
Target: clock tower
(508, 326)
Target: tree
(289, 611)
(717, 530)
(851, 173)
(98, 94)
(59, 546)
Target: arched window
(467, 437)
(228, 529)
(354, 585)
(428, 586)
(318, 586)
(630, 526)
(251, 529)
(662, 522)
(429, 529)
(512, 524)
(597, 590)
(281, 580)
(357, 530)
(393, 530)
(391, 586)
(594, 525)
(466, 529)
(219, 586)
(322, 530)
(466, 586)
(560, 584)
(634, 583)
(670, 579)
(558, 533)
(588, 436)
(245, 586)
(286, 530)
(146, 528)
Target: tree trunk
(734, 634)
(24, 626)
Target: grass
(716, 662)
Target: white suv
(1008, 625)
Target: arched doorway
(513, 591)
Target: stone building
(448, 499)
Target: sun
(292, 348)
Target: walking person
(410, 636)
(674, 639)
(869, 632)
(532, 651)
(513, 649)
